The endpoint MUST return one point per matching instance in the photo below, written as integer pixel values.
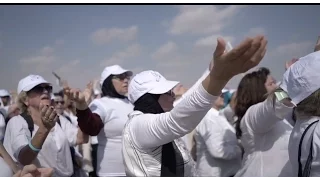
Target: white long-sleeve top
(218, 152)
(188, 138)
(265, 139)
(144, 134)
(299, 127)
(55, 152)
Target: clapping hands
(49, 116)
(77, 96)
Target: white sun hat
(148, 82)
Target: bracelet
(33, 148)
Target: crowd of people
(146, 125)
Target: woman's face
(270, 84)
(5, 100)
(39, 95)
(59, 104)
(166, 101)
(120, 83)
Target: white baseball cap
(112, 70)
(148, 82)
(29, 82)
(302, 78)
(4, 93)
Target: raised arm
(152, 130)
(263, 116)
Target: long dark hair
(108, 89)
(251, 90)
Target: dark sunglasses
(40, 89)
(170, 93)
(122, 76)
(57, 102)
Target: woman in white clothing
(9, 168)
(110, 116)
(263, 136)
(301, 81)
(218, 151)
(151, 138)
(38, 135)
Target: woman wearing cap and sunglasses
(111, 111)
(34, 136)
(151, 145)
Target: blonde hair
(20, 101)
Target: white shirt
(5, 170)
(295, 137)
(2, 127)
(114, 114)
(73, 118)
(218, 152)
(228, 113)
(55, 152)
(145, 134)
(265, 139)
(94, 140)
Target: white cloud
(65, 69)
(211, 41)
(76, 74)
(106, 35)
(59, 42)
(119, 57)
(165, 50)
(169, 58)
(38, 60)
(47, 50)
(256, 31)
(295, 48)
(202, 19)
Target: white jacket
(265, 139)
(218, 152)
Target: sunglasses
(59, 102)
(41, 89)
(122, 76)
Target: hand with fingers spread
(88, 92)
(77, 96)
(240, 59)
(49, 116)
(32, 171)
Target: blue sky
(178, 41)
